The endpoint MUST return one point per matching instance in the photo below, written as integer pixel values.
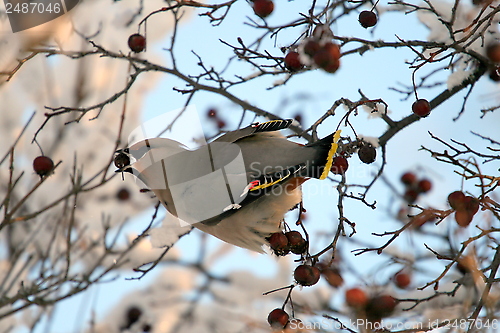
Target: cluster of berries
(291, 241)
(319, 50)
(414, 186)
(212, 114)
(374, 307)
(305, 275)
(465, 207)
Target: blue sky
(311, 94)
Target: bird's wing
(161, 146)
(193, 185)
(249, 226)
(212, 184)
(260, 184)
(268, 126)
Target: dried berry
(411, 195)
(137, 43)
(463, 218)
(132, 316)
(424, 185)
(296, 243)
(279, 243)
(328, 57)
(380, 306)
(212, 113)
(339, 165)
(494, 74)
(367, 19)
(471, 204)
(457, 200)
(123, 194)
(421, 108)
(43, 165)
(292, 61)
(367, 153)
(263, 8)
(306, 275)
(402, 279)
(493, 52)
(408, 178)
(221, 123)
(311, 47)
(356, 298)
(278, 318)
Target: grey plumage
(238, 187)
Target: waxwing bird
(239, 186)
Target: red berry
(339, 165)
(471, 204)
(457, 200)
(421, 108)
(411, 195)
(132, 316)
(332, 67)
(43, 165)
(292, 61)
(493, 52)
(296, 242)
(367, 19)
(356, 298)
(279, 243)
(408, 178)
(298, 118)
(278, 318)
(123, 194)
(466, 207)
(311, 47)
(424, 185)
(402, 279)
(380, 306)
(221, 123)
(463, 218)
(212, 113)
(137, 43)
(333, 49)
(333, 277)
(306, 275)
(495, 74)
(263, 8)
(121, 160)
(328, 57)
(367, 153)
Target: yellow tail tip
(331, 153)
